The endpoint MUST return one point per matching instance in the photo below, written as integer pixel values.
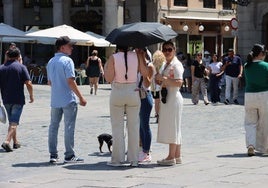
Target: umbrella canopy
(141, 34)
(26, 39)
(53, 33)
(8, 31)
(98, 40)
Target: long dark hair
(125, 50)
(256, 50)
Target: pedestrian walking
(94, 70)
(169, 125)
(64, 93)
(199, 72)
(256, 106)
(215, 74)
(121, 70)
(13, 45)
(233, 68)
(13, 77)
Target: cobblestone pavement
(214, 153)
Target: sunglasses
(167, 50)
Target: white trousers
(125, 100)
(229, 81)
(256, 120)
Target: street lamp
(201, 28)
(185, 28)
(226, 28)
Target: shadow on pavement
(103, 166)
(40, 164)
(235, 155)
(241, 155)
(104, 154)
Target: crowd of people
(139, 82)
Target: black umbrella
(141, 34)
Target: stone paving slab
(214, 153)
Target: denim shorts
(13, 112)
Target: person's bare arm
(148, 79)
(109, 71)
(142, 67)
(29, 87)
(100, 66)
(169, 82)
(241, 71)
(72, 84)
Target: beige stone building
(201, 24)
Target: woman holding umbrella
(122, 70)
(169, 125)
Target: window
(209, 4)
(42, 3)
(180, 3)
(81, 3)
(227, 4)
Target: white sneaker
(145, 157)
(74, 159)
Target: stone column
(113, 16)
(57, 12)
(8, 12)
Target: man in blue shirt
(232, 65)
(13, 76)
(64, 93)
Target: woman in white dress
(169, 125)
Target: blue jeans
(69, 112)
(229, 82)
(214, 88)
(145, 131)
(14, 112)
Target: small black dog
(106, 138)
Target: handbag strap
(140, 81)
